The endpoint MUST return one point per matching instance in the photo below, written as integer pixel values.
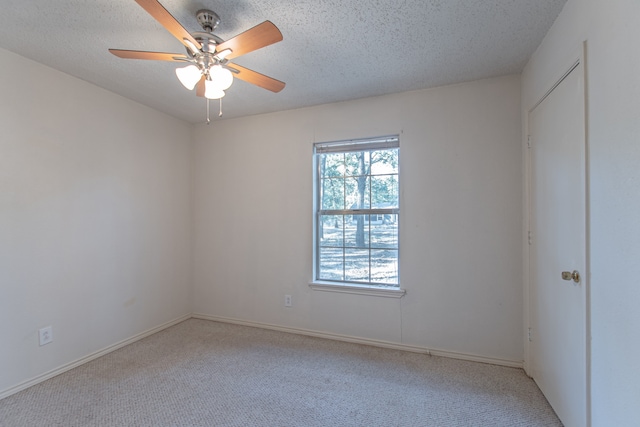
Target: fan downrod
(208, 19)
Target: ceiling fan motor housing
(208, 19)
(208, 41)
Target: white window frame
(346, 146)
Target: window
(357, 212)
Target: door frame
(564, 69)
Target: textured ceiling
(333, 50)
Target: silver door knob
(571, 275)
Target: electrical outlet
(46, 335)
(287, 301)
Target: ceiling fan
(209, 70)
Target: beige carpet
(202, 373)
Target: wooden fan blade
(155, 9)
(156, 56)
(255, 38)
(200, 87)
(256, 78)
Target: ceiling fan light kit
(189, 76)
(221, 77)
(209, 70)
(211, 91)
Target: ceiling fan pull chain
(208, 120)
(220, 113)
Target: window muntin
(357, 211)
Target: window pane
(384, 162)
(384, 234)
(384, 266)
(357, 265)
(330, 232)
(356, 231)
(362, 246)
(331, 264)
(332, 193)
(384, 191)
(331, 165)
(357, 163)
(358, 196)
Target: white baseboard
(357, 340)
(365, 341)
(90, 357)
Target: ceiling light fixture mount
(209, 70)
(208, 19)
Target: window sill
(357, 289)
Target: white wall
(613, 115)
(94, 218)
(460, 232)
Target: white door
(558, 314)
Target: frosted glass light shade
(221, 77)
(212, 91)
(189, 76)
